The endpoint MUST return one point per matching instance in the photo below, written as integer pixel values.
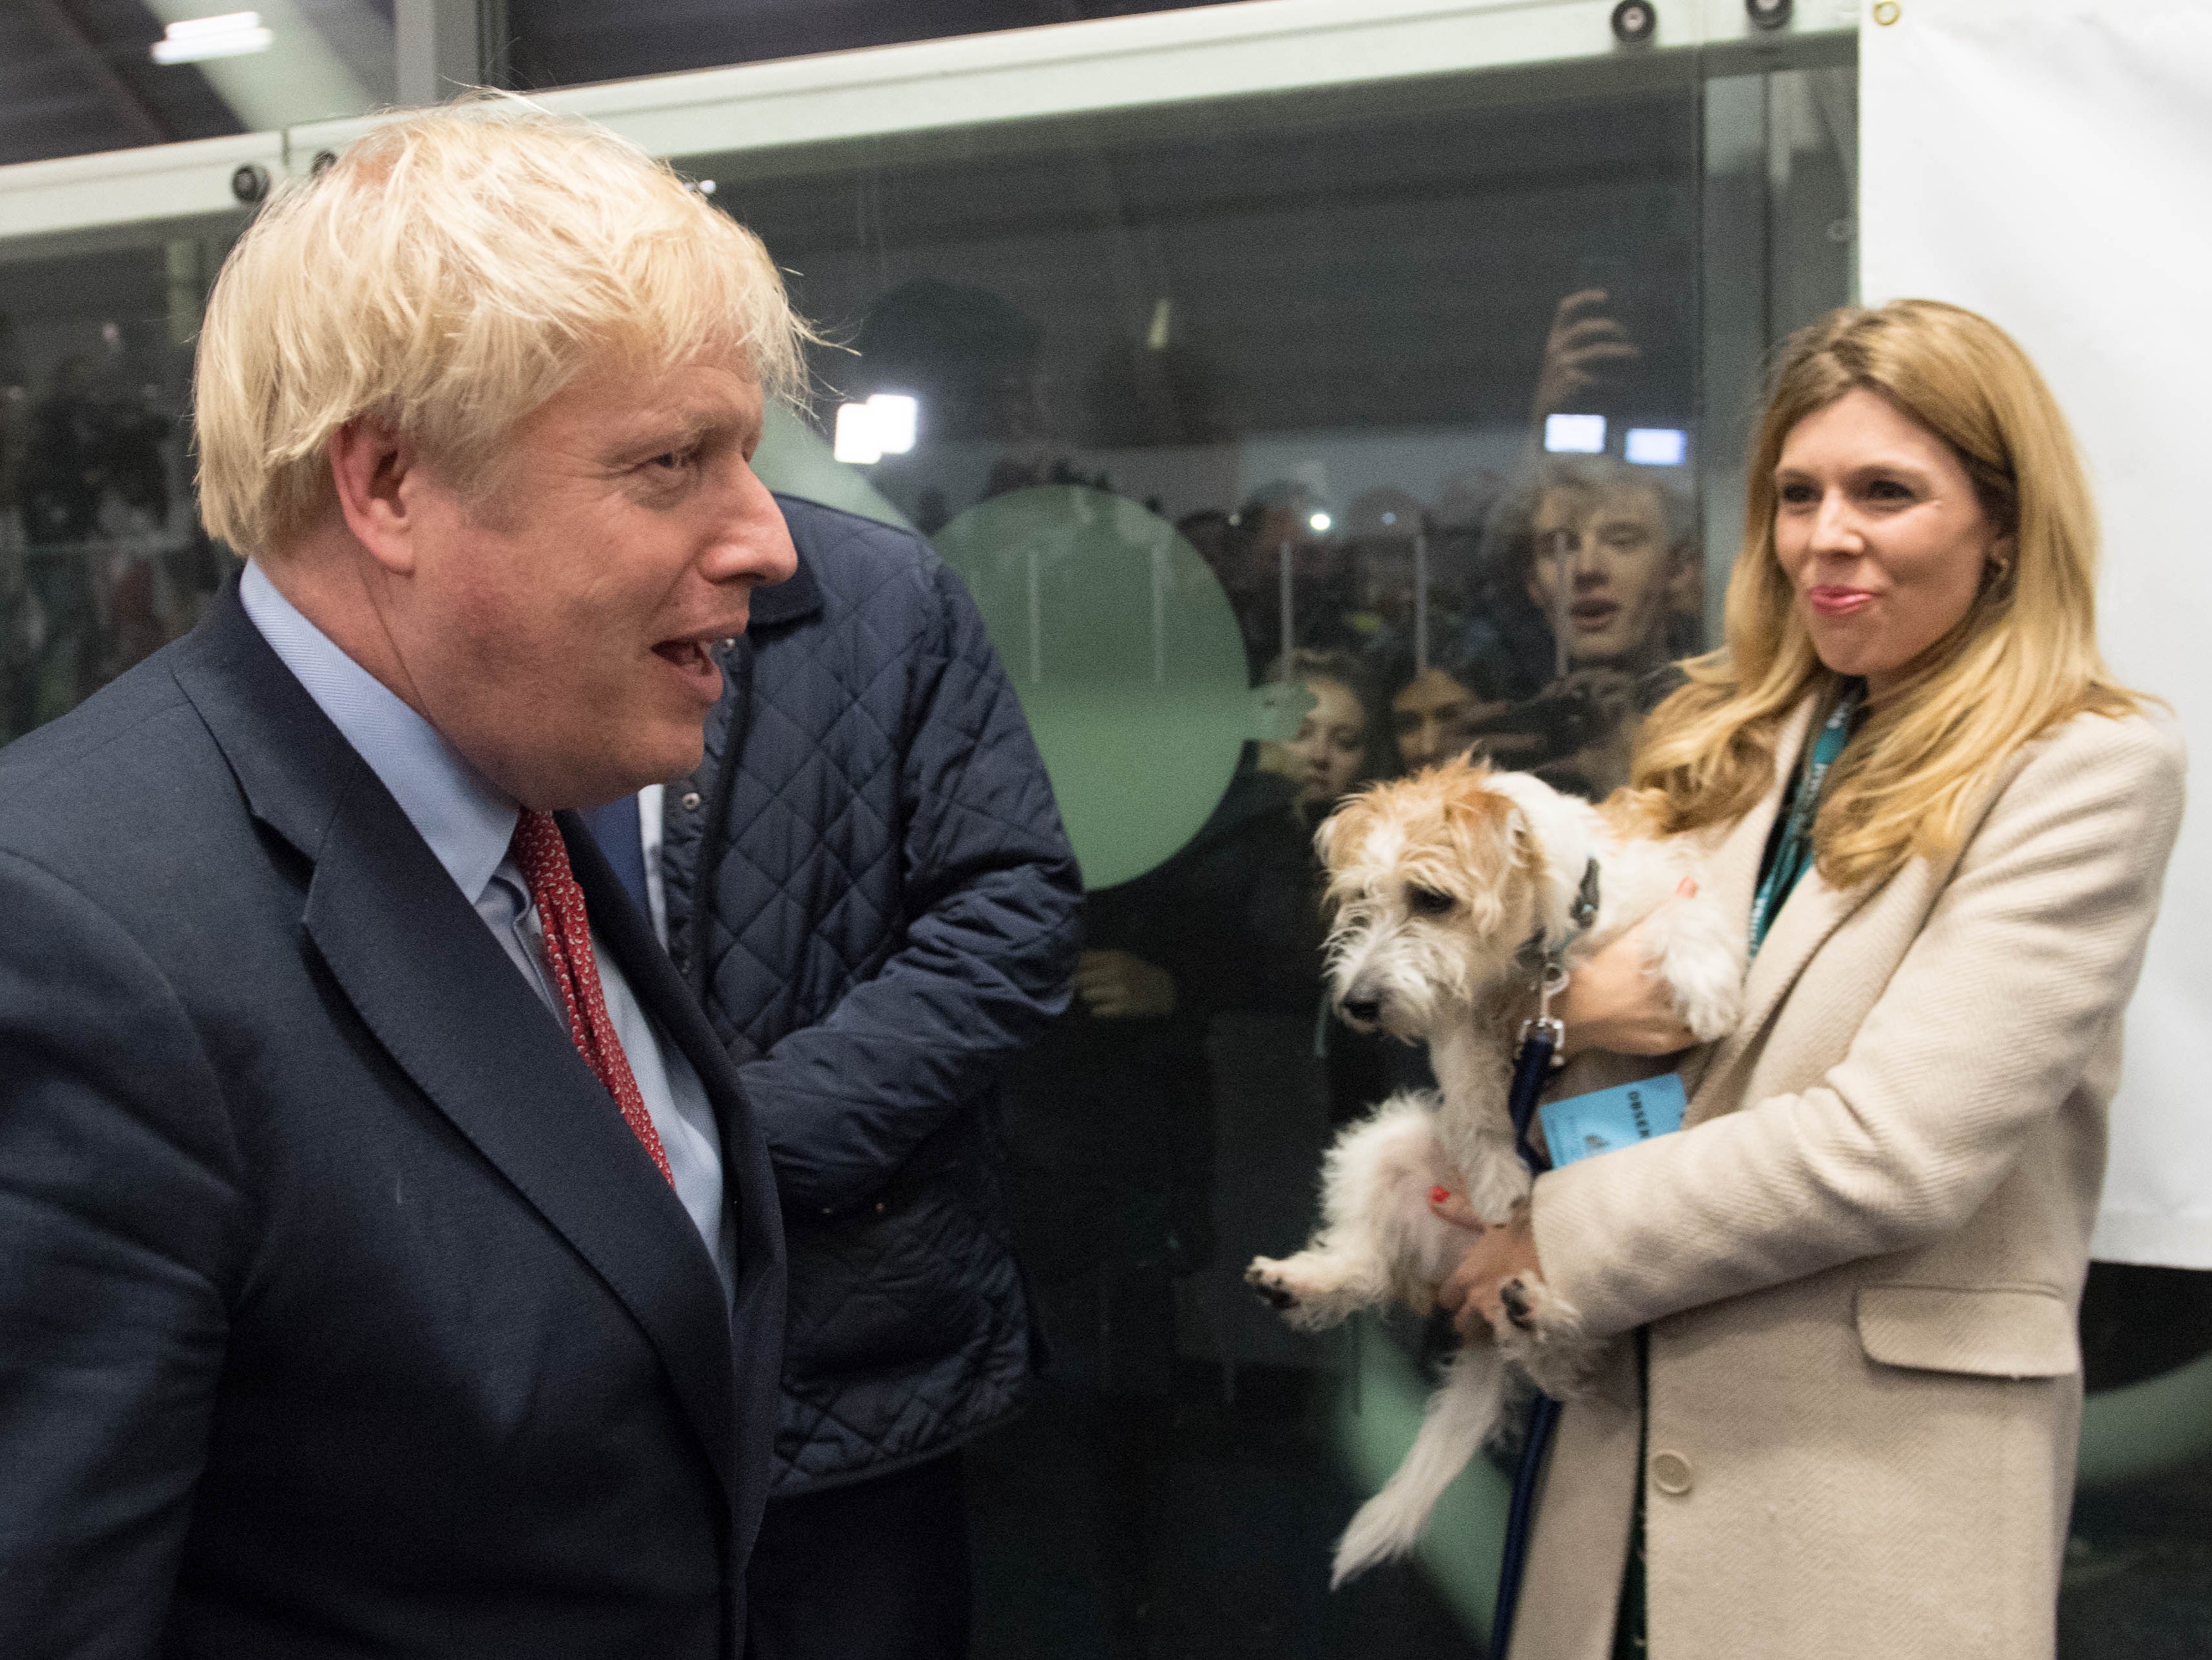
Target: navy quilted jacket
(869, 888)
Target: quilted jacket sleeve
(992, 894)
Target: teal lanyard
(1793, 856)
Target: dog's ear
(1340, 834)
(1479, 821)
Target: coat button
(1670, 1473)
(688, 801)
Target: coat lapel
(1813, 911)
(433, 986)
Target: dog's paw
(1542, 1335)
(1519, 1304)
(1703, 962)
(1311, 1289)
(1266, 1276)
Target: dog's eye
(1427, 902)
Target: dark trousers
(876, 1571)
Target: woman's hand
(1494, 1255)
(1115, 985)
(1614, 1001)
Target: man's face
(561, 634)
(1607, 555)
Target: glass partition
(1286, 443)
(102, 559)
(82, 75)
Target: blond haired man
(388, 1262)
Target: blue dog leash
(1530, 1068)
(1532, 1064)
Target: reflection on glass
(1234, 420)
(76, 78)
(102, 561)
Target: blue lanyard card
(1584, 1126)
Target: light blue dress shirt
(468, 824)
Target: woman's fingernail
(1439, 1194)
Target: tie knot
(539, 849)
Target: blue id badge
(1584, 1126)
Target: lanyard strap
(1793, 854)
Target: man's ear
(371, 468)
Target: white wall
(2049, 163)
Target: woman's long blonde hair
(2022, 659)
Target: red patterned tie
(538, 849)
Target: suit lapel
(433, 986)
(748, 1184)
(754, 1349)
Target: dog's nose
(1361, 1004)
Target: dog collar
(1543, 955)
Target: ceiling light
(231, 34)
(1575, 434)
(895, 415)
(1320, 521)
(1657, 446)
(857, 441)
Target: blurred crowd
(1168, 1125)
(102, 560)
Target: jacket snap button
(1670, 1473)
(688, 801)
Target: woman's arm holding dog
(2016, 976)
(1982, 1032)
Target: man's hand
(1114, 985)
(1494, 1255)
(1584, 350)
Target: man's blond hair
(452, 271)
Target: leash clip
(1544, 1025)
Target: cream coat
(1860, 1260)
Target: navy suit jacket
(340, 1312)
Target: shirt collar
(466, 819)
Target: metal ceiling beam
(440, 48)
(146, 127)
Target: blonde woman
(1841, 1418)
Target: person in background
(1339, 740)
(866, 886)
(1608, 546)
(389, 1261)
(1846, 1398)
(1453, 706)
(973, 362)
(1596, 554)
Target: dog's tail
(1461, 1415)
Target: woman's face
(1328, 747)
(1878, 528)
(1434, 716)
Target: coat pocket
(2014, 1332)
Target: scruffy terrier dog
(1448, 889)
